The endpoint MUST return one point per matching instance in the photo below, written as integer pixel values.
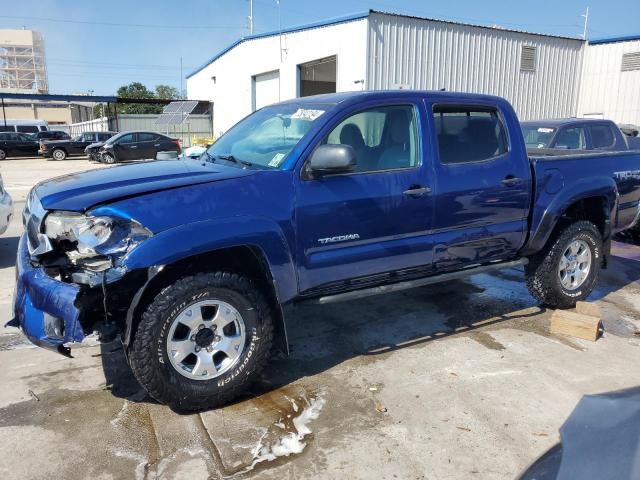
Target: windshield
(537, 136)
(265, 138)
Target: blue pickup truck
(322, 199)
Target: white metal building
(611, 80)
(539, 74)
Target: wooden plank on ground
(590, 309)
(574, 324)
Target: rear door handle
(511, 181)
(416, 191)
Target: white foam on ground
(291, 442)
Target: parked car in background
(6, 208)
(59, 150)
(127, 146)
(325, 199)
(573, 134)
(23, 126)
(51, 135)
(629, 129)
(17, 145)
(93, 151)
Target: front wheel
(202, 340)
(108, 158)
(567, 269)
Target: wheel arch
(596, 202)
(264, 257)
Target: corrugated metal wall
(424, 54)
(607, 91)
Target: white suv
(6, 208)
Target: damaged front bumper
(45, 309)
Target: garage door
(266, 89)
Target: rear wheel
(3, 154)
(59, 154)
(566, 271)
(202, 340)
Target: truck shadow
(323, 336)
(370, 329)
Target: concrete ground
(452, 381)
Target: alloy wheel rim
(2, 155)
(206, 339)
(575, 265)
(58, 155)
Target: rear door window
(469, 134)
(571, 139)
(146, 137)
(601, 136)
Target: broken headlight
(93, 243)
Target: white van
(23, 126)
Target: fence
(197, 125)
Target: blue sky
(101, 45)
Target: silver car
(6, 208)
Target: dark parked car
(128, 146)
(93, 151)
(61, 149)
(50, 135)
(17, 145)
(573, 134)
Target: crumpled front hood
(81, 191)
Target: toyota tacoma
(323, 199)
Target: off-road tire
(541, 272)
(59, 154)
(148, 352)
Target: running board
(395, 287)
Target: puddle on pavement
(265, 431)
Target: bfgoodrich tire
(567, 269)
(202, 340)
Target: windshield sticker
(305, 114)
(277, 158)
(545, 130)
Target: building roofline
(297, 28)
(499, 29)
(351, 18)
(624, 38)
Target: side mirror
(332, 159)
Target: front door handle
(511, 181)
(416, 191)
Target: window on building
(384, 138)
(318, 77)
(630, 61)
(469, 134)
(601, 136)
(528, 58)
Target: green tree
(167, 92)
(137, 90)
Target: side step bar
(395, 287)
